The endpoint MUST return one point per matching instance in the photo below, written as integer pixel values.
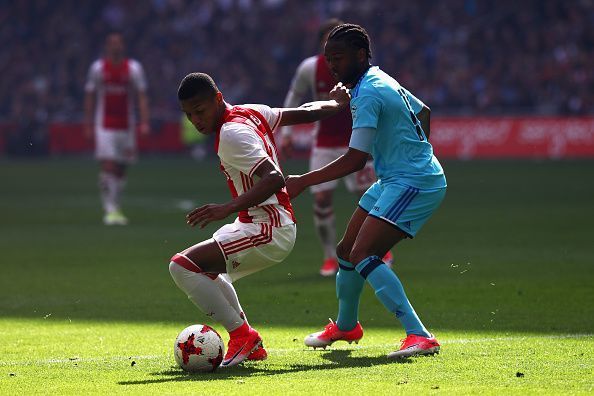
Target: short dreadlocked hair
(327, 26)
(354, 35)
(197, 84)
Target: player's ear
(362, 55)
(219, 97)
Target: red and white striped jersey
(313, 77)
(243, 142)
(115, 85)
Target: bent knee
(358, 255)
(179, 264)
(323, 199)
(343, 250)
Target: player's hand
(295, 185)
(206, 214)
(286, 147)
(144, 128)
(340, 94)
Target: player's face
(204, 112)
(114, 46)
(346, 63)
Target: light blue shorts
(405, 207)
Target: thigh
(105, 145)
(323, 198)
(321, 157)
(375, 238)
(344, 247)
(115, 145)
(207, 256)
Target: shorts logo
(235, 264)
(376, 208)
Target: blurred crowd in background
(459, 56)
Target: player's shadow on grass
(337, 359)
(343, 359)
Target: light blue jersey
(386, 126)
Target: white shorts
(355, 182)
(251, 247)
(115, 145)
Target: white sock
(206, 294)
(324, 222)
(226, 286)
(107, 185)
(118, 186)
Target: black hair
(354, 35)
(197, 84)
(115, 33)
(327, 26)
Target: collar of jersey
(226, 113)
(355, 90)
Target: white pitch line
(288, 350)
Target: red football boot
(330, 267)
(240, 347)
(332, 333)
(415, 345)
(258, 354)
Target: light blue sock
(349, 285)
(390, 292)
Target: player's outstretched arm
(271, 181)
(89, 106)
(348, 163)
(315, 111)
(143, 109)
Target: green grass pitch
(503, 274)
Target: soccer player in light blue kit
(393, 126)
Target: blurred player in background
(392, 125)
(112, 84)
(264, 232)
(313, 78)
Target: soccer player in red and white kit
(313, 77)
(264, 232)
(113, 82)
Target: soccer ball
(198, 348)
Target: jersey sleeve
(93, 77)
(241, 148)
(366, 110)
(362, 139)
(302, 83)
(271, 115)
(138, 77)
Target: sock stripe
(188, 264)
(345, 265)
(366, 268)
